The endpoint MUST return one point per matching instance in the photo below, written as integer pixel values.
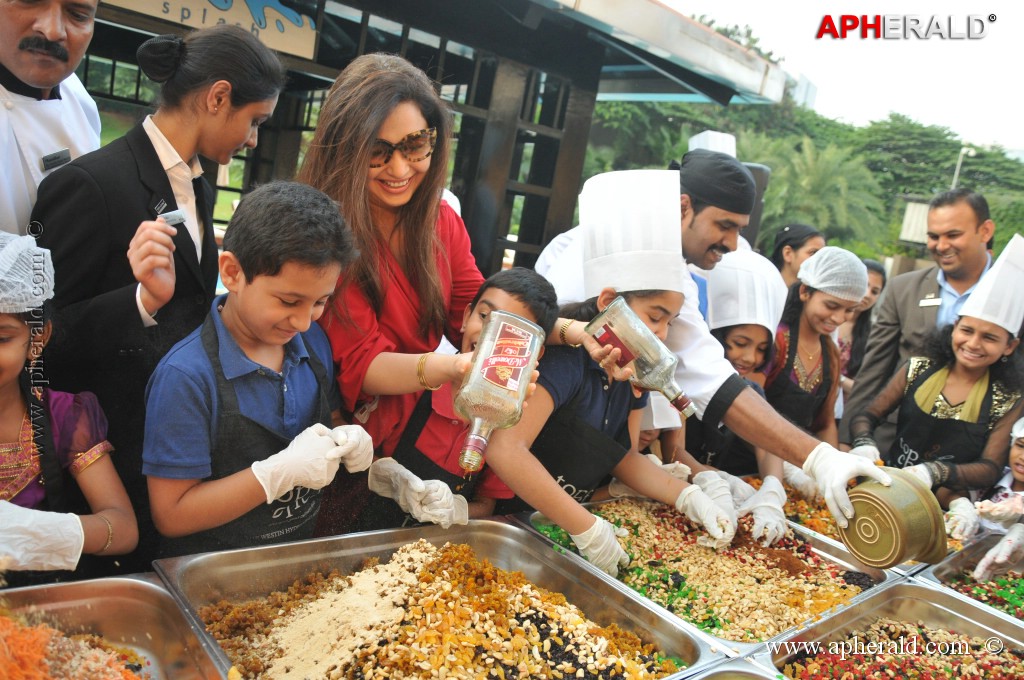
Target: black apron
(385, 513)
(921, 438)
(576, 454)
(240, 442)
(720, 447)
(799, 407)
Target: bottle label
(606, 336)
(509, 358)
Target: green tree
(825, 186)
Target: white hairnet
(26, 274)
(835, 272)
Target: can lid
(894, 524)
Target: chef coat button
(285, 387)
(8, 105)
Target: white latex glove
(600, 545)
(962, 519)
(738, 489)
(922, 473)
(867, 451)
(617, 489)
(1002, 556)
(38, 539)
(717, 489)
(832, 469)
(355, 448)
(799, 480)
(426, 500)
(310, 460)
(767, 507)
(701, 509)
(1007, 510)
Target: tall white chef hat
(26, 274)
(745, 288)
(632, 240)
(1016, 432)
(997, 298)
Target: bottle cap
(472, 457)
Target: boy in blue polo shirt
(238, 438)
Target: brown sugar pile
(427, 613)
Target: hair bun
(160, 56)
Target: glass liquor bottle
(494, 389)
(654, 365)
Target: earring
(1005, 359)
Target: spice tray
(239, 575)
(135, 612)
(939, 575)
(904, 600)
(828, 550)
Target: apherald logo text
(905, 26)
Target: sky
(972, 87)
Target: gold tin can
(895, 524)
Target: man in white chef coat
(46, 116)
(717, 194)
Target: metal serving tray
(908, 601)
(937, 576)
(831, 551)
(745, 668)
(135, 612)
(239, 575)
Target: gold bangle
(420, 368)
(110, 535)
(561, 334)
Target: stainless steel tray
(910, 601)
(745, 668)
(238, 575)
(135, 612)
(827, 549)
(905, 568)
(937, 576)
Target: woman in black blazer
(130, 228)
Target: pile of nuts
(744, 593)
(463, 618)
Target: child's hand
(355, 448)
(39, 540)
(310, 460)
(1007, 510)
(151, 255)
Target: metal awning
(656, 53)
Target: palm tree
(830, 188)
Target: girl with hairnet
(958, 404)
(60, 496)
(803, 379)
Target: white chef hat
(997, 298)
(743, 288)
(26, 274)
(632, 239)
(835, 272)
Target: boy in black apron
(422, 480)
(238, 436)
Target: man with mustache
(46, 116)
(717, 194)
